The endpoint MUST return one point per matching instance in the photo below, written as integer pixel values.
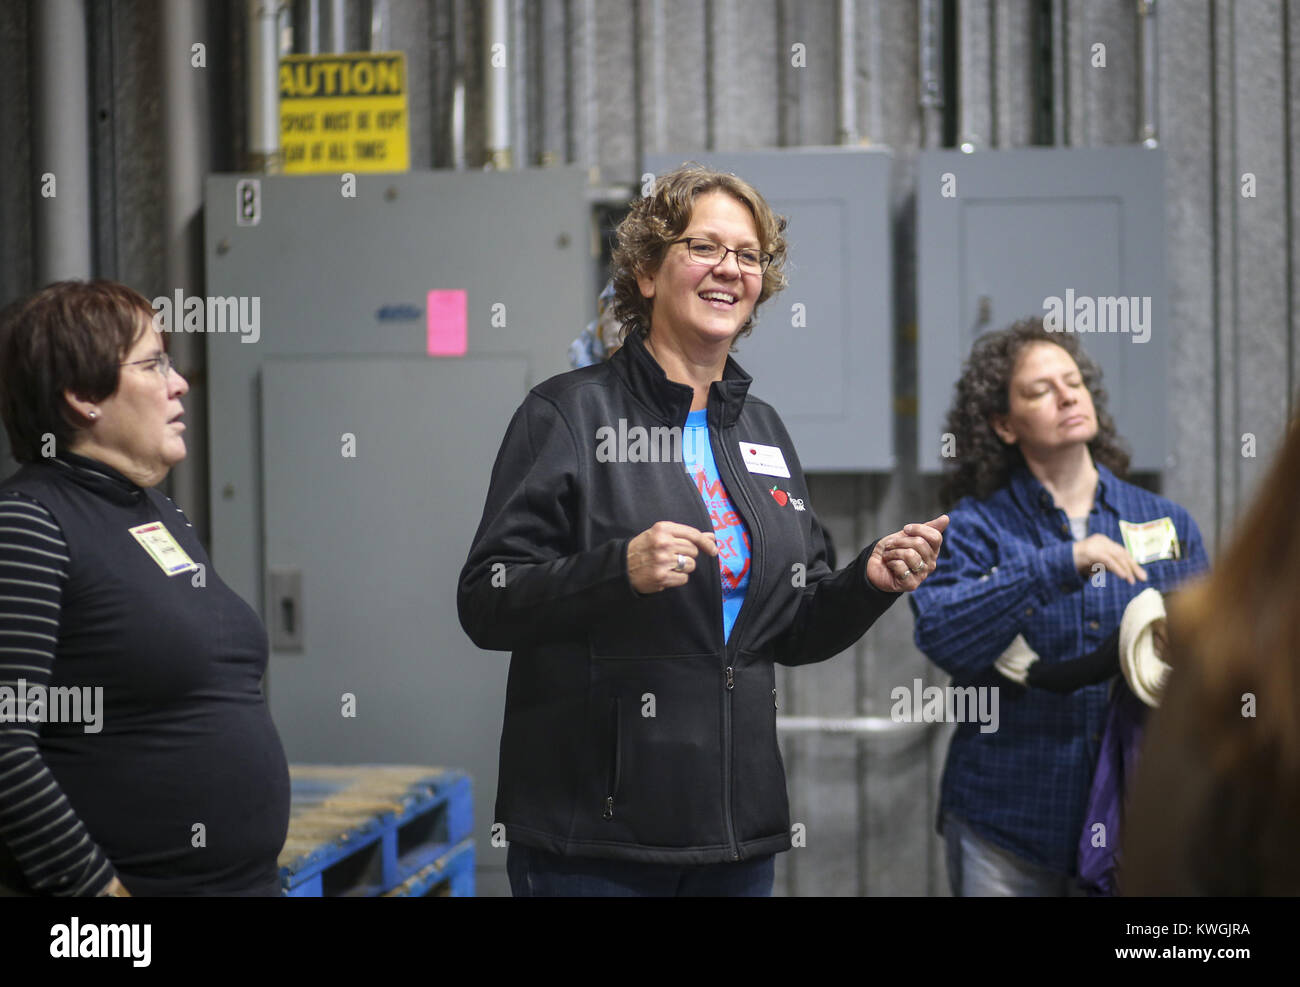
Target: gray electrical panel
(353, 438)
(1075, 234)
(822, 351)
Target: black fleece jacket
(632, 730)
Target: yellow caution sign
(344, 113)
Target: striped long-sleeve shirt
(1006, 569)
(39, 829)
(162, 766)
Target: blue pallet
(451, 875)
(365, 830)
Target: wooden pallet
(370, 830)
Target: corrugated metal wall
(603, 81)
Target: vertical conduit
(310, 44)
(263, 86)
(496, 83)
(847, 130)
(1149, 111)
(338, 32)
(458, 35)
(931, 65)
(185, 163)
(61, 222)
(379, 32)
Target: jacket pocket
(615, 759)
(758, 774)
(654, 773)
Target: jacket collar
(670, 401)
(1034, 496)
(98, 478)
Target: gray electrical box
(1075, 233)
(353, 438)
(822, 352)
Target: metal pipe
(61, 140)
(379, 37)
(458, 40)
(658, 76)
(263, 86)
(519, 83)
(311, 29)
(338, 32)
(458, 124)
(185, 120)
(847, 108)
(586, 43)
(1060, 75)
(877, 725)
(875, 74)
(1148, 125)
(497, 57)
(931, 63)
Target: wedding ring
(681, 564)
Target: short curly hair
(659, 218)
(984, 463)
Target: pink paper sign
(446, 323)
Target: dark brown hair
(70, 335)
(657, 219)
(983, 462)
(1215, 807)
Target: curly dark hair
(982, 462)
(657, 219)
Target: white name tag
(764, 459)
(1151, 541)
(155, 539)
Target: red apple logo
(780, 496)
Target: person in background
(1047, 546)
(1215, 806)
(600, 339)
(648, 552)
(179, 786)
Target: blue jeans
(538, 874)
(980, 869)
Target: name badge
(763, 459)
(1151, 541)
(155, 539)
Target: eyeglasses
(162, 363)
(751, 260)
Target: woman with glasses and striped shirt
(137, 753)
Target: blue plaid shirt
(1007, 568)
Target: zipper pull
(775, 704)
(731, 677)
(609, 807)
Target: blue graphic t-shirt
(733, 539)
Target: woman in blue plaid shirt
(1035, 556)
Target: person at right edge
(1215, 805)
(1046, 547)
